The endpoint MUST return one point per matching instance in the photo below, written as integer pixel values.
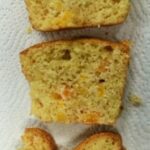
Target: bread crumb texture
(37, 139)
(101, 141)
(135, 100)
(76, 81)
(48, 15)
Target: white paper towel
(134, 123)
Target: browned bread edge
(113, 135)
(74, 27)
(125, 43)
(42, 133)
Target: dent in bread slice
(46, 15)
(102, 141)
(37, 139)
(78, 80)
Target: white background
(134, 123)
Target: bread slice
(37, 139)
(48, 15)
(78, 80)
(102, 141)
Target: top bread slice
(102, 141)
(78, 80)
(49, 15)
(37, 139)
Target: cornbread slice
(79, 80)
(37, 139)
(102, 141)
(48, 15)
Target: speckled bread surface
(76, 81)
(49, 15)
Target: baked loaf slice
(79, 80)
(47, 15)
(102, 141)
(37, 139)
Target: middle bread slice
(76, 81)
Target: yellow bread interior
(76, 81)
(48, 15)
(101, 141)
(37, 139)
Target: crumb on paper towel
(135, 100)
(29, 30)
(99, 26)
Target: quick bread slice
(37, 139)
(102, 141)
(48, 15)
(78, 80)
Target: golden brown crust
(37, 132)
(120, 21)
(124, 44)
(84, 26)
(116, 137)
(128, 44)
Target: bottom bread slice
(37, 139)
(76, 81)
(102, 141)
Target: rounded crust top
(125, 45)
(114, 136)
(37, 132)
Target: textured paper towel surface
(134, 123)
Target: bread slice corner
(37, 139)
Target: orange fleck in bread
(48, 15)
(102, 141)
(37, 139)
(78, 80)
